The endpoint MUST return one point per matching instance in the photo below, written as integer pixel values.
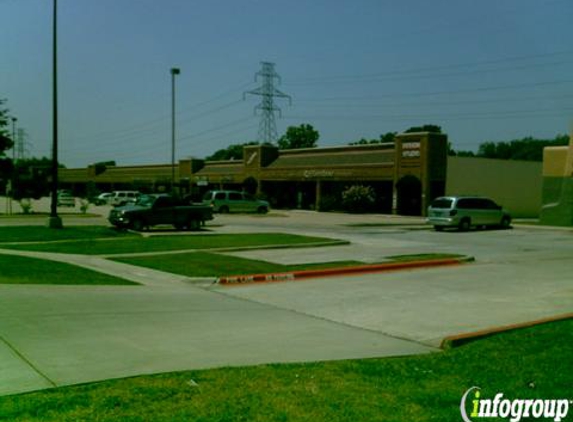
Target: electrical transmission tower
(267, 125)
(21, 149)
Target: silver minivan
(465, 212)
(224, 201)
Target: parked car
(103, 198)
(120, 198)
(464, 212)
(152, 210)
(224, 201)
(65, 199)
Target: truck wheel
(137, 225)
(224, 210)
(194, 225)
(262, 210)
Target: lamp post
(174, 71)
(14, 120)
(54, 221)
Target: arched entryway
(409, 201)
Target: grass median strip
(24, 270)
(526, 364)
(137, 244)
(206, 264)
(45, 234)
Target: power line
(437, 93)
(492, 115)
(449, 102)
(405, 77)
(425, 70)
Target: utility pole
(14, 120)
(267, 125)
(54, 221)
(174, 71)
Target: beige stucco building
(405, 176)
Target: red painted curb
(294, 275)
(459, 339)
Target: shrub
(358, 198)
(328, 203)
(84, 205)
(26, 205)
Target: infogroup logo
(515, 410)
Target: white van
(120, 198)
(464, 212)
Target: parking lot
(59, 335)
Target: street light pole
(14, 120)
(174, 71)
(54, 221)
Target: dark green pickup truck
(153, 210)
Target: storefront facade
(405, 175)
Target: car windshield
(145, 200)
(207, 196)
(442, 203)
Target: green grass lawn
(205, 264)
(529, 363)
(24, 270)
(136, 244)
(45, 234)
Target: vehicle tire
(137, 225)
(194, 225)
(465, 225)
(179, 226)
(439, 228)
(505, 222)
(224, 210)
(262, 210)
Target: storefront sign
(318, 174)
(411, 150)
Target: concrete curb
(460, 339)
(371, 268)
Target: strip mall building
(405, 175)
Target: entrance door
(409, 189)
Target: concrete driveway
(60, 335)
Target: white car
(103, 198)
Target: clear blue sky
(486, 70)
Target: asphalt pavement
(60, 335)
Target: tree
(6, 165)
(31, 178)
(232, 152)
(526, 149)
(425, 128)
(303, 136)
(384, 138)
(103, 165)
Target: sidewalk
(140, 275)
